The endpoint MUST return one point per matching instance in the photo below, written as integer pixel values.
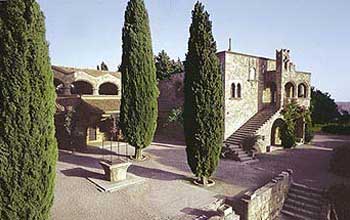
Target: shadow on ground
(82, 173)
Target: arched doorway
(82, 88)
(276, 130)
(108, 89)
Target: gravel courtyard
(167, 192)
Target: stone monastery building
(256, 89)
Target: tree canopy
(28, 149)
(139, 106)
(203, 106)
(324, 108)
(166, 67)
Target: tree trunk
(138, 154)
(204, 180)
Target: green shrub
(340, 161)
(339, 196)
(309, 133)
(337, 129)
(176, 116)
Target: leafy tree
(178, 66)
(293, 112)
(28, 148)
(139, 109)
(203, 107)
(104, 66)
(166, 67)
(324, 108)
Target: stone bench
(115, 170)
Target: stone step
(301, 211)
(307, 188)
(306, 206)
(245, 158)
(296, 216)
(305, 193)
(304, 199)
(234, 146)
(232, 142)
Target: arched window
(82, 88)
(252, 74)
(233, 90)
(239, 92)
(290, 90)
(58, 86)
(302, 92)
(108, 89)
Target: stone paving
(167, 192)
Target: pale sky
(82, 33)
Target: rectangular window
(92, 134)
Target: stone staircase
(304, 203)
(234, 142)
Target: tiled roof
(91, 72)
(105, 105)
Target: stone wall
(239, 70)
(265, 133)
(266, 202)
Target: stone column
(67, 89)
(95, 91)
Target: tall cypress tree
(139, 109)
(28, 150)
(203, 107)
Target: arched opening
(59, 86)
(239, 90)
(302, 90)
(82, 88)
(252, 73)
(108, 89)
(270, 93)
(276, 130)
(233, 90)
(290, 90)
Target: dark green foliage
(344, 118)
(309, 133)
(340, 162)
(166, 67)
(28, 150)
(203, 88)
(139, 109)
(176, 115)
(337, 129)
(339, 195)
(104, 66)
(70, 127)
(324, 109)
(292, 112)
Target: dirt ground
(167, 191)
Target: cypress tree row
(28, 150)
(139, 107)
(203, 107)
